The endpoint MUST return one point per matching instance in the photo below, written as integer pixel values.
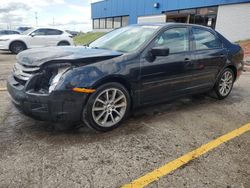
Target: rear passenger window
(176, 39)
(53, 32)
(205, 40)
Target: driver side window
(176, 39)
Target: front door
(166, 76)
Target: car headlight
(4, 39)
(55, 79)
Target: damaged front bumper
(57, 106)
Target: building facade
(229, 17)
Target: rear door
(54, 36)
(166, 76)
(210, 56)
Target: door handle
(187, 59)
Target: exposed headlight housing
(55, 79)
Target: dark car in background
(23, 28)
(125, 69)
(9, 32)
(73, 33)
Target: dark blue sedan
(125, 69)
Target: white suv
(35, 37)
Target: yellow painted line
(3, 89)
(173, 165)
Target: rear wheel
(107, 107)
(224, 84)
(17, 47)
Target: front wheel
(17, 47)
(224, 84)
(107, 107)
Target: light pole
(36, 18)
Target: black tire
(17, 47)
(88, 114)
(219, 81)
(63, 43)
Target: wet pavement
(34, 154)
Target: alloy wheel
(17, 47)
(226, 83)
(109, 107)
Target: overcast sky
(67, 14)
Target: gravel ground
(33, 154)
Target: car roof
(47, 28)
(35, 28)
(166, 24)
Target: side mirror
(160, 51)
(32, 34)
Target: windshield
(27, 31)
(126, 39)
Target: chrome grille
(24, 72)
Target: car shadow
(6, 53)
(18, 125)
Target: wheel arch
(17, 41)
(234, 69)
(63, 41)
(115, 78)
(118, 79)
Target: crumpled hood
(39, 56)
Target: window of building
(175, 39)
(207, 10)
(96, 24)
(201, 16)
(125, 21)
(117, 22)
(102, 23)
(187, 11)
(109, 23)
(205, 40)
